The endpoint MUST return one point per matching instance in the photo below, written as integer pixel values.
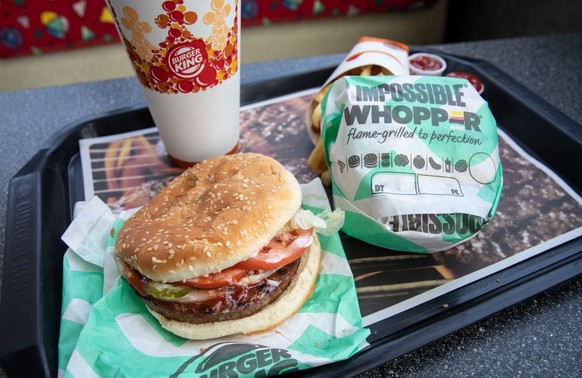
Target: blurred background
(49, 42)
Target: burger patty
(237, 302)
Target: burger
(223, 249)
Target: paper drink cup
(185, 54)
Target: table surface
(538, 337)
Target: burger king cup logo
(181, 50)
(190, 61)
(187, 61)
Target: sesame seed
(158, 261)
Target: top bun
(214, 215)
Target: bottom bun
(288, 303)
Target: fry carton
(369, 57)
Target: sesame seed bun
(214, 215)
(270, 316)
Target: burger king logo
(238, 359)
(188, 61)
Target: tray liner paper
(107, 331)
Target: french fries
(316, 160)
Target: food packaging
(186, 59)
(370, 56)
(414, 160)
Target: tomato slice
(135, 279)
(215, 280)
(281, 250)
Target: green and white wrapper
(414, 160)
(106, 330)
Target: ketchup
(474, 80)
(426, 63)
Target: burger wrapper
(107, 331)
(414, 160)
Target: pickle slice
(164, 291)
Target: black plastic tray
(41, 194)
